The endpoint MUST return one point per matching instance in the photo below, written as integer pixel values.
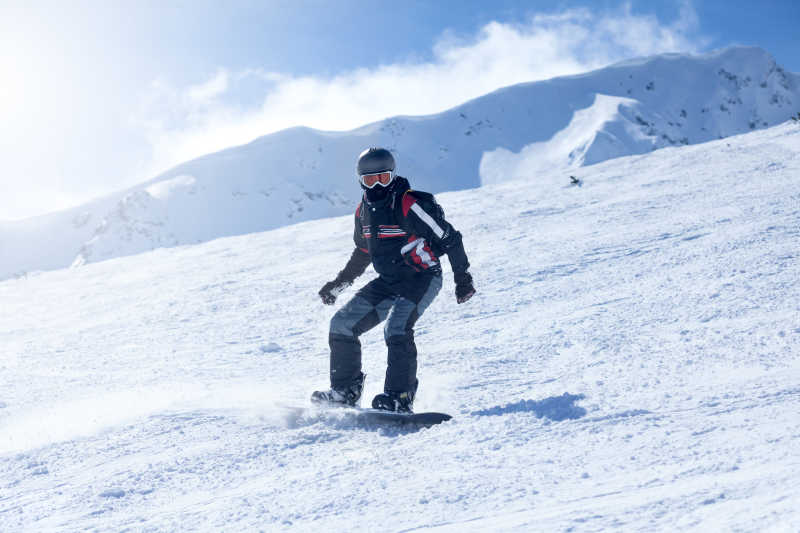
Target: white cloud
(210, 90)
(186, 123)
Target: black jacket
(403, 235)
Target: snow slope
(630, 362)
(517, 132)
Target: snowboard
(379, 416)
(418, 419)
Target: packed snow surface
(630, 362)
(513, 133)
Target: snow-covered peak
(523, 131)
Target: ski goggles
(370, 180)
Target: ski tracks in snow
(630, 361)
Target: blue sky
(96, 96)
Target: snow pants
(400, 304)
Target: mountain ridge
(520, 131)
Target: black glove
(464, 288)
(331, 290)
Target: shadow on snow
(555, 408)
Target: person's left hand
(464, 287)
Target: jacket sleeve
(359, 260)
(358, 263)
(358, 233)
(426, 218)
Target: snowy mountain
(629, 362)
(523, 131)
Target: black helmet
(374, 160)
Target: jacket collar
(397, 188)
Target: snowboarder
(403, 233)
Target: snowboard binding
(344, 397)
(396, 402)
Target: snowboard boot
(344, 397)
(398, 402)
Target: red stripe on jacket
(408, 201)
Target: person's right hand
(326, 293)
